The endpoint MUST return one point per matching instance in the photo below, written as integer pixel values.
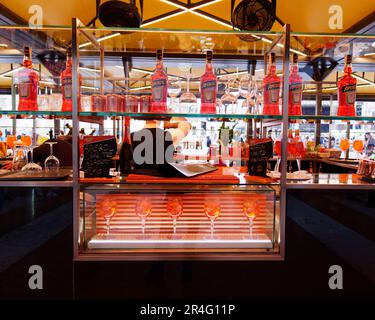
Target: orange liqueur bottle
(208, 87)
(347, 91)
(66, 83)
(295, 89)
(271, 89)
(159, 84)
(28, 84)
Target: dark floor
(316, 239)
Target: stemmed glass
(174, 90)
(107, 209)
(174, 208)
(250, 209)
(344, 145)
(212, 209)
(31, 166)
(277, 150)
(358, 147)
(143, 209)
(19, 156)
(188, 101)
(51, 164)
(299, 152)
(229, 99)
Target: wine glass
(344, 145)
(188, 101)
(299, 152)
(31, 167)
(174, 208)
(358, 147)
(250, 209)
(228, 99)
(107, 209)
(51, 164)
(174, 90)
(143, 209)
(19, 156)
(212, 209)
(277, 150)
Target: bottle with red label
(271, 89)
(159, 85)
(28, 84)
(295, 89)
(208, 87)
(347, 91)
(67, 84)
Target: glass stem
(143, 225)
(298, 163)
(51, 149)
(107, 221)
(174, 225)
(212, 227)
(251, 222)
(31, 155)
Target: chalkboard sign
(260, 150)
(97, 155)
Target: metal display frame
(284, 41)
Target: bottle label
(273, 90)
(24, 86)
(158, 89)
(208, 91)
(295, 90)
(67, 88)
(350, 92)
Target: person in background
(1, 136)
(369, 144)
(70, 132)
(174, 131)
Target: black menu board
(260, 150)
(97, 155)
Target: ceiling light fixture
(89, 69)
(4, 74)
(140, 88)
(362, 79)
(3, 45)
(100, 39)
(369, 54)
(90, 88)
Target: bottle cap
(272, 57)
(27, 51)
(209, 55)
(348, 59)
(159, 54)
(295, 57)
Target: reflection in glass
(174, 208)
(143, 209)
(51, 164)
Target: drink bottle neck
(272, 69)
(294, 69)
(348, 69)
(208, 66)
(68, 62)
(27, 63)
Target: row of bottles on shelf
(157, 102)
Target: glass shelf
(328, 118)
(35, 113)
(180, 115)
